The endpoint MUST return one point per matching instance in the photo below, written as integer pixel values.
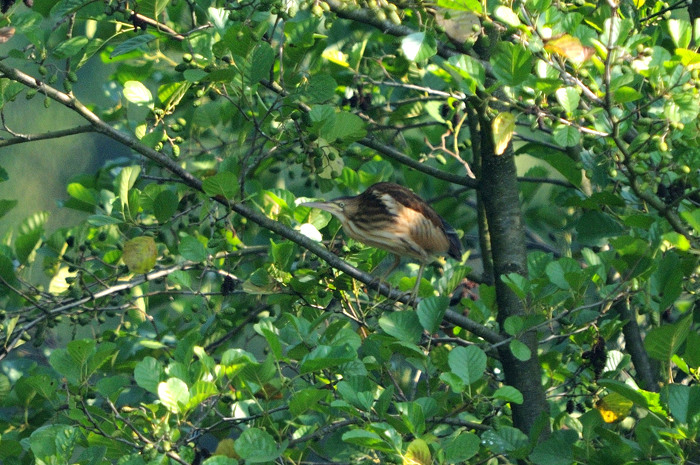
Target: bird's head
(341, 208)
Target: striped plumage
(391, 217)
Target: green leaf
(260, 65)
(135, 43)
(682, 108)
(82, 193)
(66, 7)
(282, 254)
(174, 394)
(125, 181)
(461, 447)
(419, 46)
(558, 272)
(627, 94)
(43, 385)
(112, 386)
(6, 205)
(70, 47)
(53, 443)
(513, 325)
(518, 284)
(26, 244)
(323, 357)
(137, 93)
(469, 69)
(103, 220)
(256, 446)
(430, 312)
(663, 342)
(194, 75)
(65, 365)
(148, 373)
(404, 326)
(305, 400)
(346, 128)
(218, 459)
(224, 184)
(520, 350)
(201, 391)
(557, 450)
(508, 394)
(568, 98)
(683, 402)
(153, 8)
(463, 5)
(469, 363)
(595, 226)
(192, 249)
(667, 279)
(677, 241)
(72, 362)
(7, 273)
(511, 63)
(624, 390)
(693, 218)
(165, 205)
(320, 88)
(566, 136)
(691, 355)
(5, 387)
(505, 439)
(556, 159)
(364, 438)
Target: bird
(391, 217)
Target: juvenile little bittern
(393, 218)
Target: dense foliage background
(197, 314)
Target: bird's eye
(341, 204)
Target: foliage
(196, 312)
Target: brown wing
(423, 230)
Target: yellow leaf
(570, 48)
(417, 453)
(140, 254)
(337, 57)
(225, 448)
(502, 128)
(613, 407)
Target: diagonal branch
(188, 178)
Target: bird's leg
(385, 275)
(393, 266)
(416, 287)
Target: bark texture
(500, 196)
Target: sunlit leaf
(614, 407)
(569, 47)
(140, 254)
(419, 46)
(174, 394)
(502, 128)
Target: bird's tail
(455, 250)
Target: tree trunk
(500, 196)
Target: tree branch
(22, 138)
(404, 159)
(240, 208)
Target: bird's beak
(330, 207)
